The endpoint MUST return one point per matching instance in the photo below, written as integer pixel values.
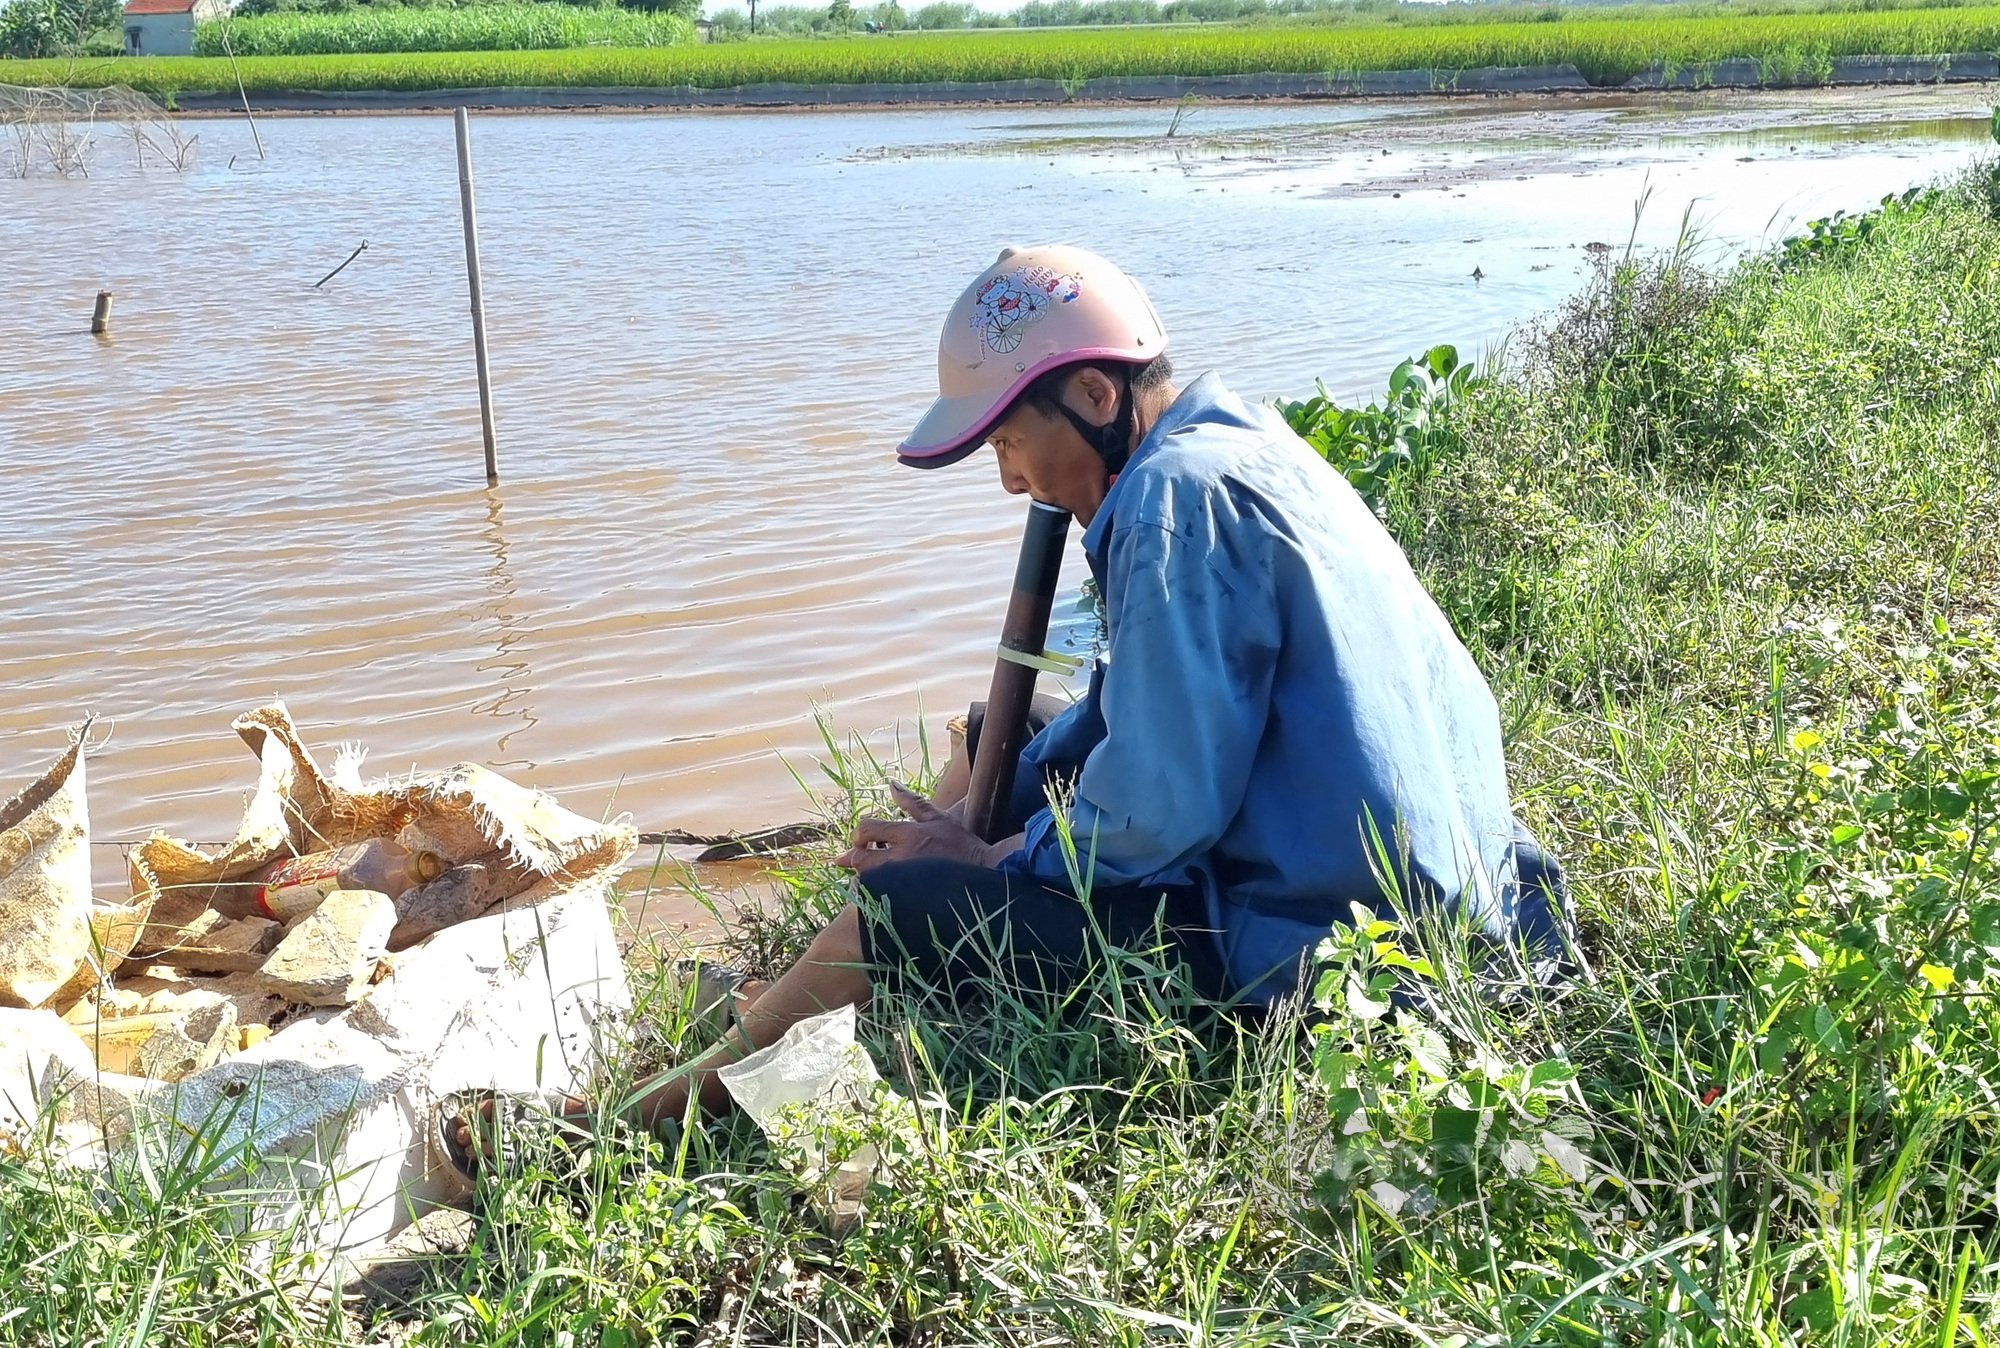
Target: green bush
(46, 28)
(1373, 445)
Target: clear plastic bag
(816, 1095)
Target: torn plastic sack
(38, 1053)
(333, 1115)
(295, 809)
(326, 1123)
(56, 940)
(817, 1096)
(465, 814)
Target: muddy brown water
(708, 332)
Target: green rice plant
(500, 27)
(1606, 52)
(1793, 65)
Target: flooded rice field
(709, 331)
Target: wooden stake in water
(100, 317)
(342, 267)
(241, 92)
(478, 300)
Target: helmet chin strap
(1113, 439)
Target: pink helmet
(1031, 311)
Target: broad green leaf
(1455, 1134)
(1814, 1309)
(1335, 1066)
(1771, 1053)
(1568, 1158)
(1361, 1005)
(1428, 1050)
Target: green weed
(1371, 445)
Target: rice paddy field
(519, 27)
(1799, 45)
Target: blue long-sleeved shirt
(1280, 701)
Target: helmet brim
(950, 430)
(943, 458)
(953, 427)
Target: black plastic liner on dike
(1729, 74)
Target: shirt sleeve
(1185, 698)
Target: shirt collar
(1197, 398)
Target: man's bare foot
(476, 1136)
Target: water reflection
(508, 669)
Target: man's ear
(1094, 394)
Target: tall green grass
(1729, 548)
(1606, 52)
(516, 27)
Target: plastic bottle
(295, 886)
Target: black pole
(1022, 640)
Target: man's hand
(929, 832)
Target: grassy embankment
(501, 27)
(1794, 47)
(1729, 548)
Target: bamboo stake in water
(100, 316)
(1022, 639)
(478, 300)
(241, 92)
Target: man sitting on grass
(1284, 725)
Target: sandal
(510, 1123)
(714, 988)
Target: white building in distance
(166, 27)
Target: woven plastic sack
(467, 812)
(464, 812)
(45, 901)
(328, 1126)
(333, 1113)
(295, 809)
